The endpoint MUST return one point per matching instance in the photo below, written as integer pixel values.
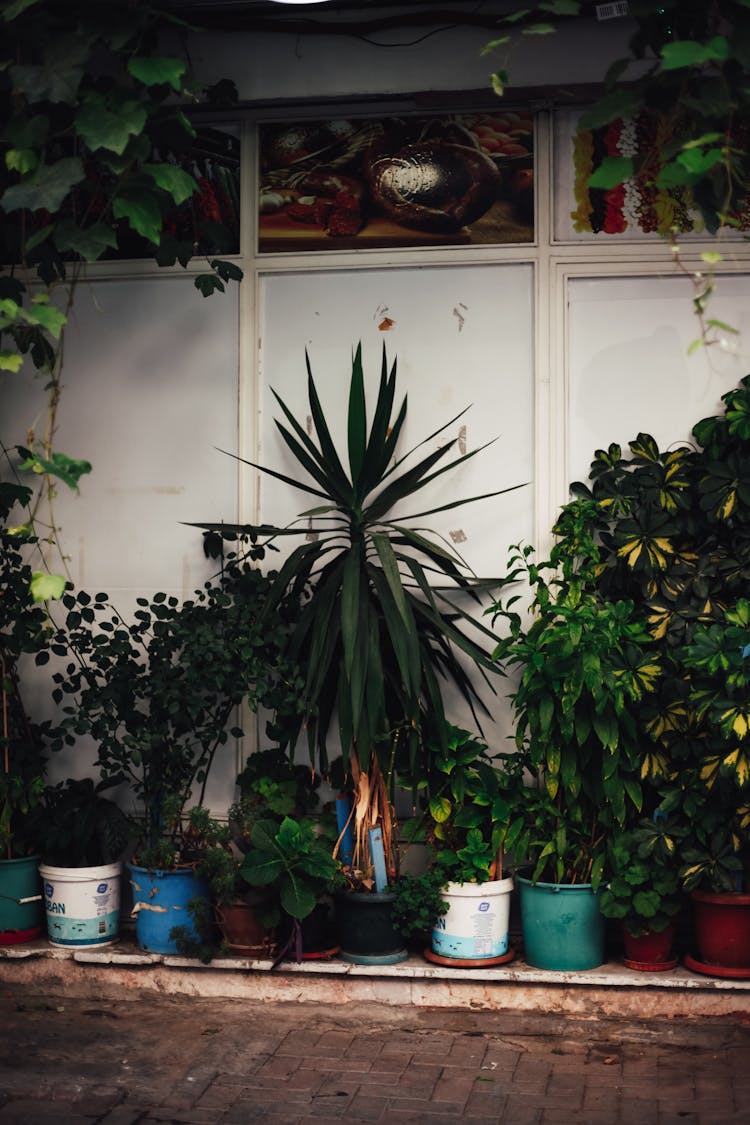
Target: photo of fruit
(465, 179)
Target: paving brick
(388, 1064)
(24, 1111)
(520, 1110)
(188, 1116)
(303, 1079)
(365, 1107)
(337, 1041)
(280, 1067)
(638, 1111)
(123, 1115)
(483, 1103)
(454, 1087)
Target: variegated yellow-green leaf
(440, 809)
(710, 771)
(654, 764)
(631, 552)
(739, 726)
(738, 760)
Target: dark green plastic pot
(21, 914)
(365, 930)
(562, 925)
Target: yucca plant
(381, 628)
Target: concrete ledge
(608, 991)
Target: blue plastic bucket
(563, 927)
(160, 902)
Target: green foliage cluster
(644, 891)
(634, 690)
(157, 695)
(92, 108)
(691, 61)
(418, 903)
(24, 631)
(78, 826)
(584, 667)
(94, 150)
(474, 813)
(292, 859)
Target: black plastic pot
(365, 930)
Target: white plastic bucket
(476, 924)
(82, 904)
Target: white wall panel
(462, 335)
(149, 389)
(629, 367)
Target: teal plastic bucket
(562, 925)
(20, 900)
(160, 902)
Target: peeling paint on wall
(458, 536)
(462, 440)
(385, 322)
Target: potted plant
(375, 638)
(474, 822)
(84, 835)
(714, 794)
(644, 893)
(583, 662)
(157, 696)
(24, 633)
(292, 860)
(672, 555)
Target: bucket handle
(22, 901)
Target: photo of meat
(459, 180)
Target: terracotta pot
(722, 928)
(649, 950)
(242, 930)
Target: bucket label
(483, 907)
(101, 889)
(82, 931)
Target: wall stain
(460, 315)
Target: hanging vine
(97, 161)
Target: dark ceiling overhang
(342, 17)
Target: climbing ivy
(94, 161)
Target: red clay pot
(243, 932)
(722, 928)
(649, 949)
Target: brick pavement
(149, 1060)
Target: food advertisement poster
(466, 179)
